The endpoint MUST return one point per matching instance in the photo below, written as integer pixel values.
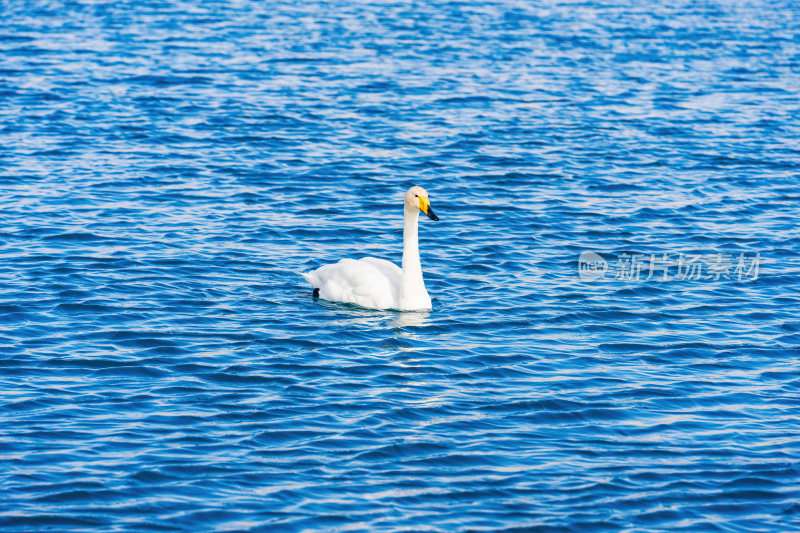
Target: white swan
(377, 283)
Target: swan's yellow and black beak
(425, 207)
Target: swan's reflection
(409, 318)
(404, 357)
(359, 316)
(400, 342)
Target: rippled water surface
(168, 167)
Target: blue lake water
(168, 167)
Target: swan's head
(417, 200)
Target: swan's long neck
(411, 285)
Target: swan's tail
(312, 280)
(308, 277)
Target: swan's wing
(353, 281)
(387, 268)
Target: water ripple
(168, 169)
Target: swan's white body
(377, 283)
